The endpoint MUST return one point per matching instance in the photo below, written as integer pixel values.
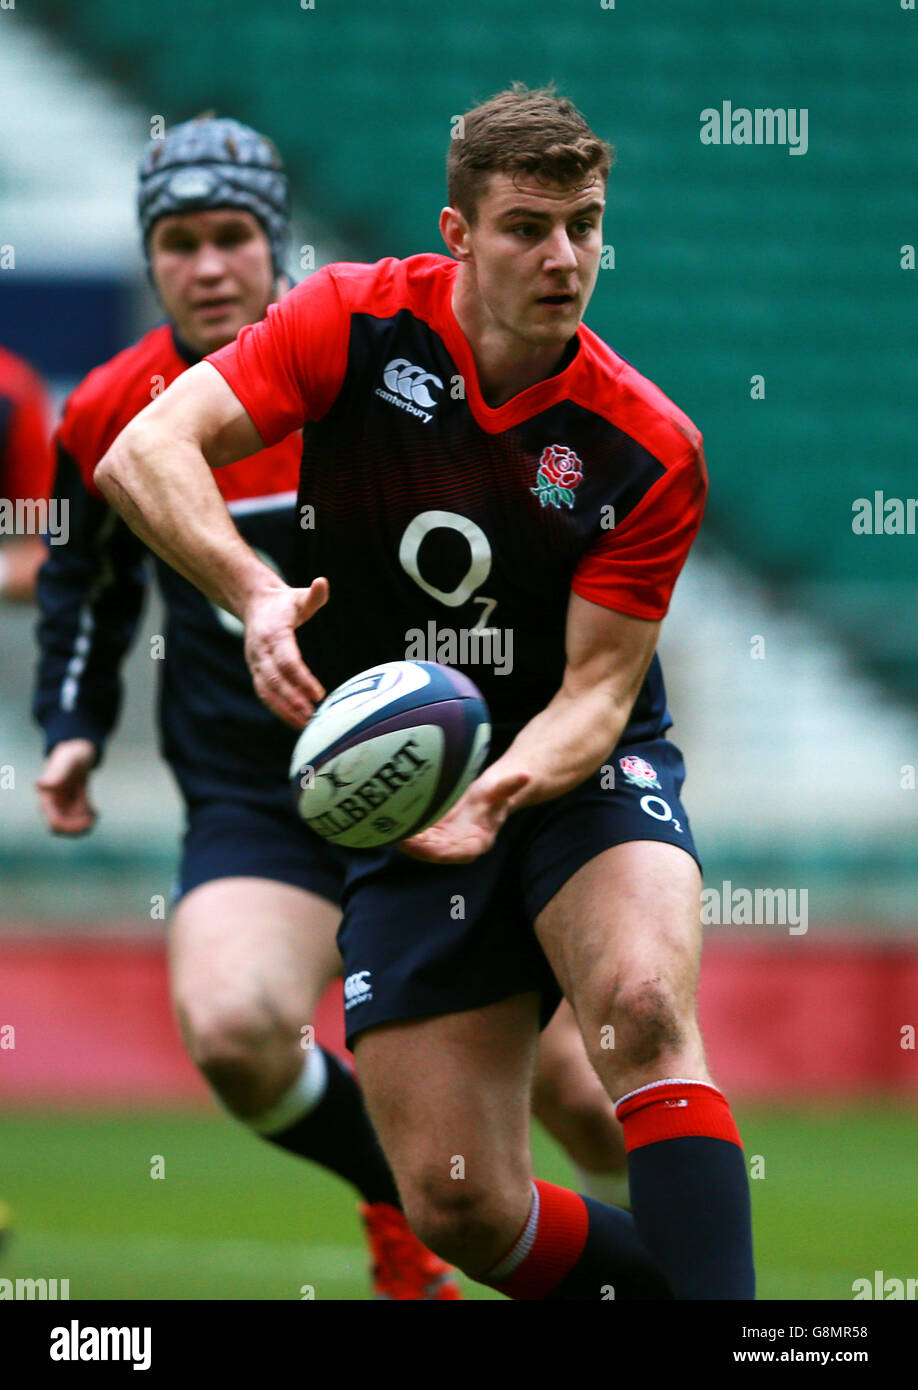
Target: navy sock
(337, 1133)
(573, 1247)
(690, 1199)
(689, 1188)
(614, 1263)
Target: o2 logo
(660, 810)
(479, 564)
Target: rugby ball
(389, 752)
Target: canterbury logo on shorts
(357, 989)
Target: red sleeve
(633, 568)
(288, 368)
(28, 460)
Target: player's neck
(504, 366)
(501, 377)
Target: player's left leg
(570, 1101)
(449, 1097)
(445, 1032)
(250, 958)
(623, 935)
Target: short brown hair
(523, 131)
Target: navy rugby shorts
(420, 939)
(234, 838)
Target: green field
(233, 1218)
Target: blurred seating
(730, 261)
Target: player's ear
(455, 232)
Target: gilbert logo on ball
(389, 752)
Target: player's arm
(157, 475)
(90, 594)
(608, 654)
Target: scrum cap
(215, 162)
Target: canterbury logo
(357, 989)
(410, 382)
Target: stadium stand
(806, 294)
(729, 263)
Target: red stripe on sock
(559, 1241)
(676, 1110)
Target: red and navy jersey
(217, 736)
(26, 459)
(432, 513)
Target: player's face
(535, 253)
(213, 273)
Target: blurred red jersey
(26, 458)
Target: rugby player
(252, 939)
(26, 472)
(551, 434)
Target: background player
(26, 475)
(26, 469)
(252, 938)
(612, 890)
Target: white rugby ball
(389, 752)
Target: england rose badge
(560, 470)
(639, 772)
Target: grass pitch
(233, 1218)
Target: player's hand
(19, 566)
(63, 793)
(471, 827)
(281, 678)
